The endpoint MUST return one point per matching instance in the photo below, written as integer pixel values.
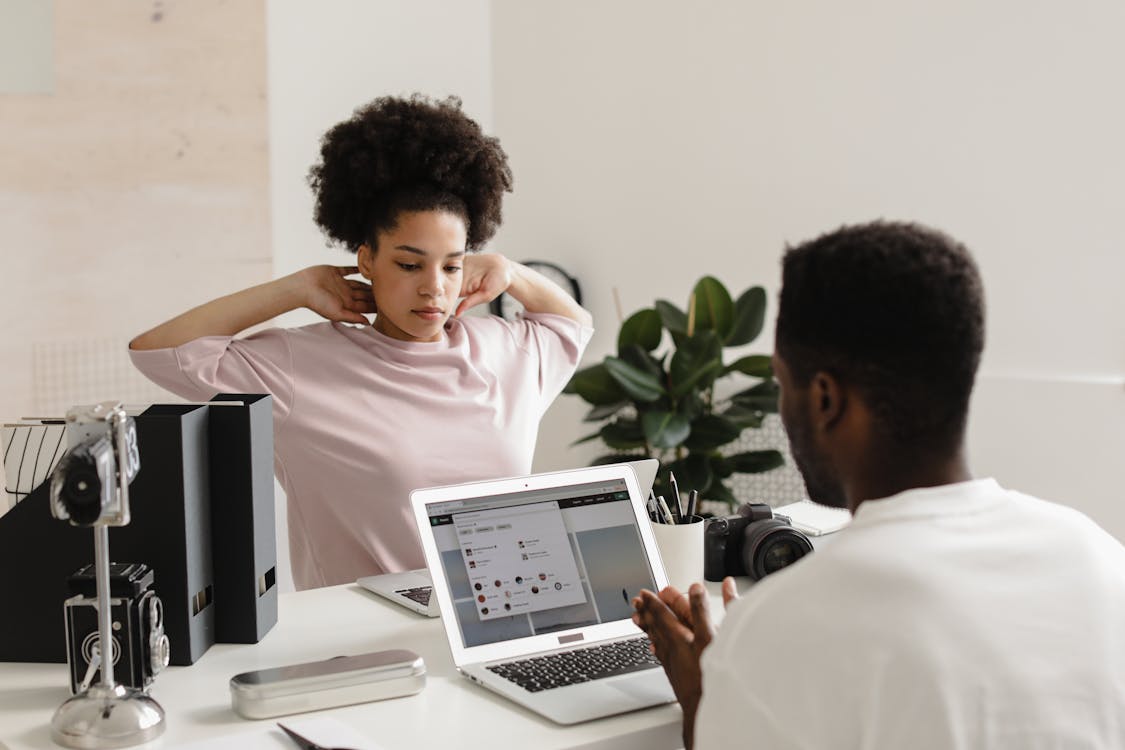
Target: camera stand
(106, 715)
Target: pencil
(665, 513)
(692, 501)
(676, 496)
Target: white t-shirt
(361, 419)
(954, 617)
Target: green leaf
(714, 310)
(719, 466)
(665, 429)
(691, 405)
(757, 365)
(755, 462)
(692, 473)
(643, 328)
(638, 384)
(711, 431)
(743, 416)
(596, 386)
(605, 411)
(673, 318)
(720, 492)
(696, 363)
(587, 438)
(615, 458)
(623, 434)
(761, 397)
(749, 316)
(702, 378)
(635, 355)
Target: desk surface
(319, 624)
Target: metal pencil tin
(313, 686)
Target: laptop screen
(534, 562)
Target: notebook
(412, 589)
(534, 577)
(814, 519)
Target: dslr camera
(139, 647)
(753, 542)
(90, 485)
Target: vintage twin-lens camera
(140, 649)
(90, 484)
(752, 542)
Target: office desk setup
(319, 624)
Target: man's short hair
(896, 310)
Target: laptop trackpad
(647, 688)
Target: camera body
(90, 485)
(140, 649)
(753, 542)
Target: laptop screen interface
(529, 563)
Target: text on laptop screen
(530, 563)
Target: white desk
(323, 623)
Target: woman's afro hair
(408, 154)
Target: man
(951, 613)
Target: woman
(364, 413)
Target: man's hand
(329, 294)
(679, 626)
(484, 277)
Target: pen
(676, 496)
(667, 514)
(692, 501)
(651, 502)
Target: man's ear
(827, 401)
(365, 259)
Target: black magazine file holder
(243, 530)
(170, 531)
(171, 526)
(202, 518)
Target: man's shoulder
(1052, 514)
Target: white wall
(326, 59)
(655, 142)
(652, 142)
(132, 187)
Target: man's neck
(892, 474)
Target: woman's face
(415, 274)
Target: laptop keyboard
(420, 594)
(581, 665)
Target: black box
(243, 528)
(37, 555)
(170, 531)
(170, 501)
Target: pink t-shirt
(361, 419)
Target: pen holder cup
(681, 549)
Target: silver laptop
(534, 577)
(413, 590)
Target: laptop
(534, 576)
(412, 589)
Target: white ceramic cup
(681, 549)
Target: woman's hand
(487, 276)
(327, 292)
(484, 277)
(322, 289)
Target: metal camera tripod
(108, 715)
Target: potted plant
(657, 396)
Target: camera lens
(771, 545)
(81, 491)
